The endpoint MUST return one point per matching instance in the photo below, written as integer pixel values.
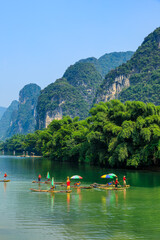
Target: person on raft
(77, 183)
(116, 183)
(68, 183)
(124, 181)
(39, 177)
(5, 175)
(48, 177)
(109, 184)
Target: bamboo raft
(82, 187)
(112, 188)
(48, 182)
(51, 191)
(5, 180)
(97, 185)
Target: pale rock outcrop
(112, 90)
(50, 116)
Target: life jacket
(68, 183)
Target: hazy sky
(39, 39)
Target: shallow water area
(132, 213)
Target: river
(83, 214)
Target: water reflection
(116, 195)
(109, 199)
(5, 186)
(79, 194)
(68, 201)
(124, 194)
(39, 186)
(52, 202)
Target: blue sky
(40, 39)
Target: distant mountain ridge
(24, 121)
(6, 120)
(20, 116)
(109, 61)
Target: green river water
(133, 213)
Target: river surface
(133, 213)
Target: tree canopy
(115, 135)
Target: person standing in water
(5, 175)
(124, 181)
(116, 183)
(68, 183)
(39, 177)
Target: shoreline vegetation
(116, 134)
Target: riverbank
(29, 156)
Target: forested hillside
(85, 78)
(139, 78)
(71, 95)
(74, 93)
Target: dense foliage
(147, 90)
(116, 134)
(15, 143)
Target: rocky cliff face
(112, 90)
(139, 78)
(24, 120)
(58, 99)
